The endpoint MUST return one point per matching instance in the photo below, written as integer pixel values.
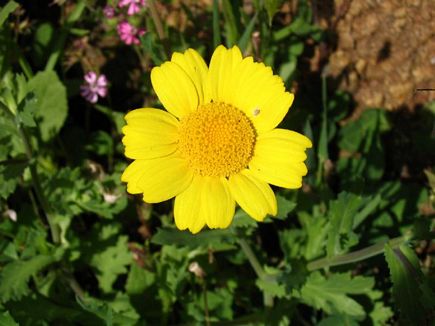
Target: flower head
(217, 144)
(93, 87)
(128, 33)
(109, 11)
(134, 6)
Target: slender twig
(355, 256)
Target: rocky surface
(385, 51)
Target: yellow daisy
(217, 144)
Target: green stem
(60, 42)
(216, 26)
(55, 232)
(355, 256)
(268, 300)
(323, 139)
(158, 25)
(25, 66)
(252, 258)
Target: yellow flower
(217, 144)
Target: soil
(384, 51)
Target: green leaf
(138, 280)
(380, 314)
(111, 262)
(301, 24)
(52, 105)
(335, 320)
(216, 25)
(15, 275)
(7, 320)
(341, 214)
(42, 40)
(36, 309)
(219, 306)
(246, 36)
(231, 25)
(26, 110)
(151, 46)
(285, 207)
(7, 10)
(9, 177)
(272, 6)
(409, 282)
(269, 284)
(287, 69)
(103, 310)
(331, 295)
(101, 143)
(316, 230)
(216, 239)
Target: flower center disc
(217, 140)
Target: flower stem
(252, 258)
(156, 19)
(268, 299)
(158, 24)
(62, 36)
(54, 229)
(355, 256)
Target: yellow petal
(175, 89)
(131, 174)
(158, 179)
(196, 68)
(150, 133)
(253, 195)
(279, 157)
(221, 76)
(206, 201)
(260, 94)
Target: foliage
(352, 247)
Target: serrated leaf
(331, 295)
(272, 6)
(380, 314)
(285, 206)
(316, 231)
(36, 309)
(341, 215)
(7, 320)
(111, 262)
(52, 107)
(103, 310)
(15, 276)
(335, 320)
(9, 177)
(409, 282)
(138, 280)
(269, 283)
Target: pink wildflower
(128, 33)
(109, 11)
(134, 6)
(94, 86)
